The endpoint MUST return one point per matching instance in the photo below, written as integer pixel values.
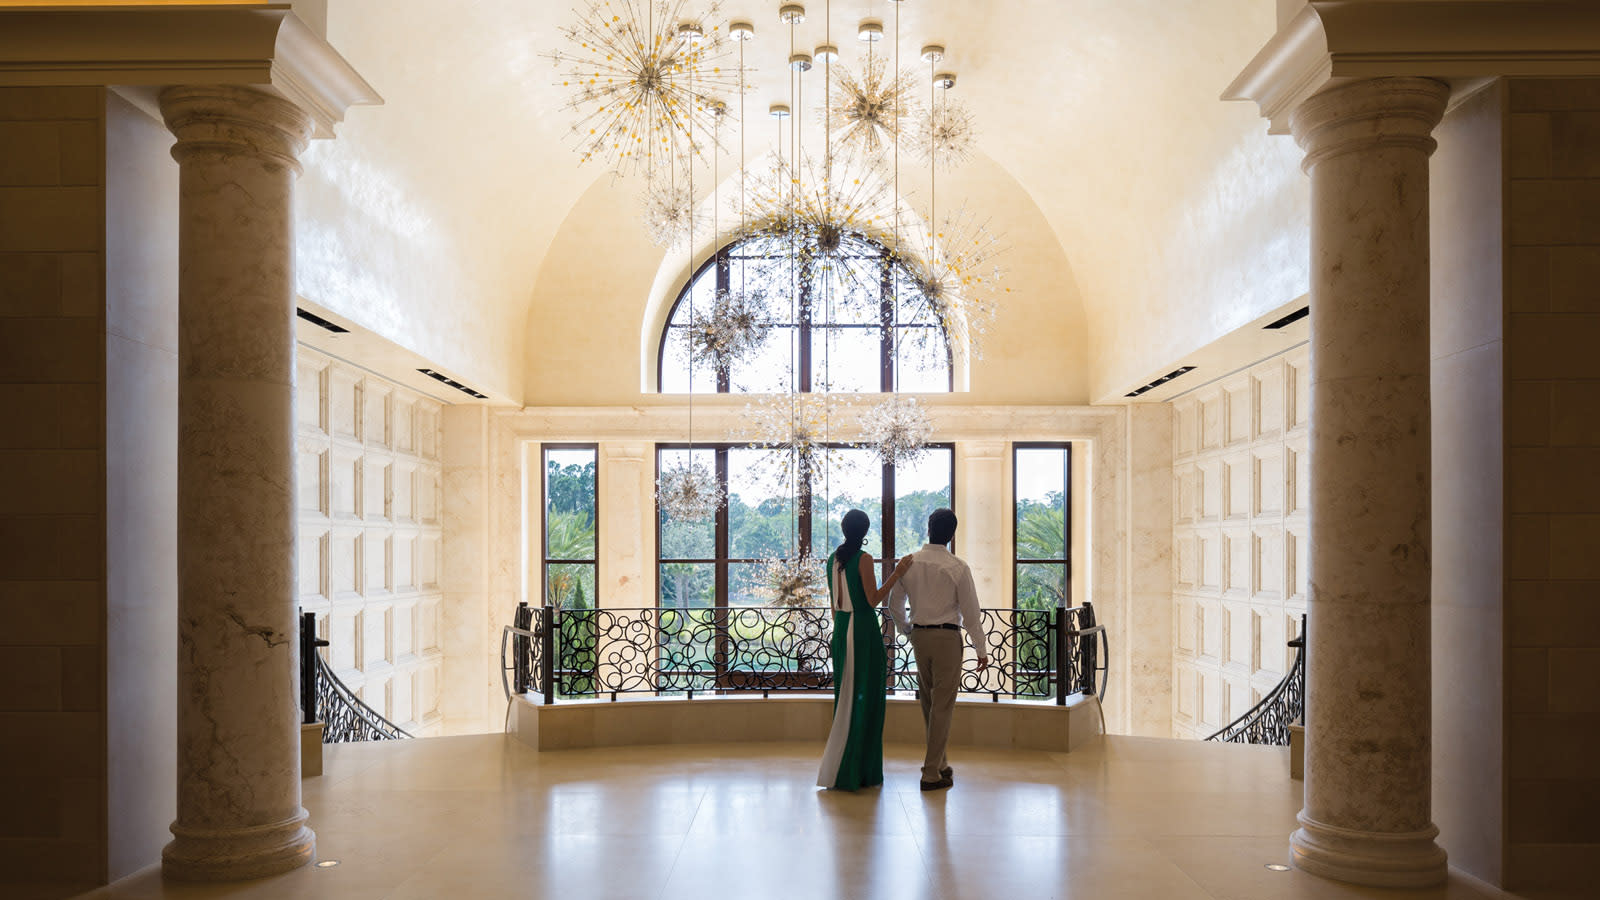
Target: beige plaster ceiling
(430, 218)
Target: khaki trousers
(938, 652)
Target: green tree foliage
(569, 533)
(1041, 534)
(570, 489)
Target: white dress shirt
(941, 591)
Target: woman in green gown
(854, 755)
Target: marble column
(239, 812)
(1367, 815)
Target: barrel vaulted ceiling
(430, 218)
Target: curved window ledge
(568, 725)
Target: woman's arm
(869, 578)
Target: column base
(238, 854)
(1401, 860)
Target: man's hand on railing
(983, 663)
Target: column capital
(1367, 114)
(225, 121)
(1457, 41)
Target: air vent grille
(446, 379)
(320, 322)
(1290, 319)
(1162, 380)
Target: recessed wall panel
(1241, 495)
(368, 498)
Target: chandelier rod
(894, 333)
(827, 287)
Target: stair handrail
(326, 698)
(1268, 722)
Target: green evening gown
(854, 755)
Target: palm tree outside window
(571, 525)
(1043, 537)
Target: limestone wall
(1552, 391)
(1240, 525)
(53, 514)
(370, 536)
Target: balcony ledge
(1008, 724)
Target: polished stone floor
(487, 817)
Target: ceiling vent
(320, 322)
(445, 379)
(1290, 319)
(1162, 380)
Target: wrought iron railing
(600, 653)
(326, 699)
(1268, 721)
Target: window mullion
(804, 375)
(719, 658)
(1066, 523)
(886, 323)
(803, 510)
(724, 285)
(887, 525)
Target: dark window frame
(1066, 518)
(722, 539)
(545, 560)
(802, 342)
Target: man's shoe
(948, 774)
(939, 785)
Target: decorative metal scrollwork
(326, 699)
(345, 717)
(588, 653)
(1268, 721)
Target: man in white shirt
(943, 600)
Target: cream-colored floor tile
(1234, 868)
(604, 811)
(489, 816)
(1255, 813)
(472, 762)
(569, 867)
(1205, 775)
(773, 867)
(1055, 868)
(798, 808)
(1021, 810)
(372, 877)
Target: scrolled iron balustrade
(325, 698)
(598, 653)
(1268, 722)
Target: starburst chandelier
(795, 430)
(953, 275)
(944, 135)
(791, 583)
(734, 331)
(867, 109)
(896, 430)
(688, 492)
(639, 75)
(825, 218)
(669, 214)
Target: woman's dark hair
(854, 525)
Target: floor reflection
(486, 817)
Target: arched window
(848, 326)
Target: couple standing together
(943, 600)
